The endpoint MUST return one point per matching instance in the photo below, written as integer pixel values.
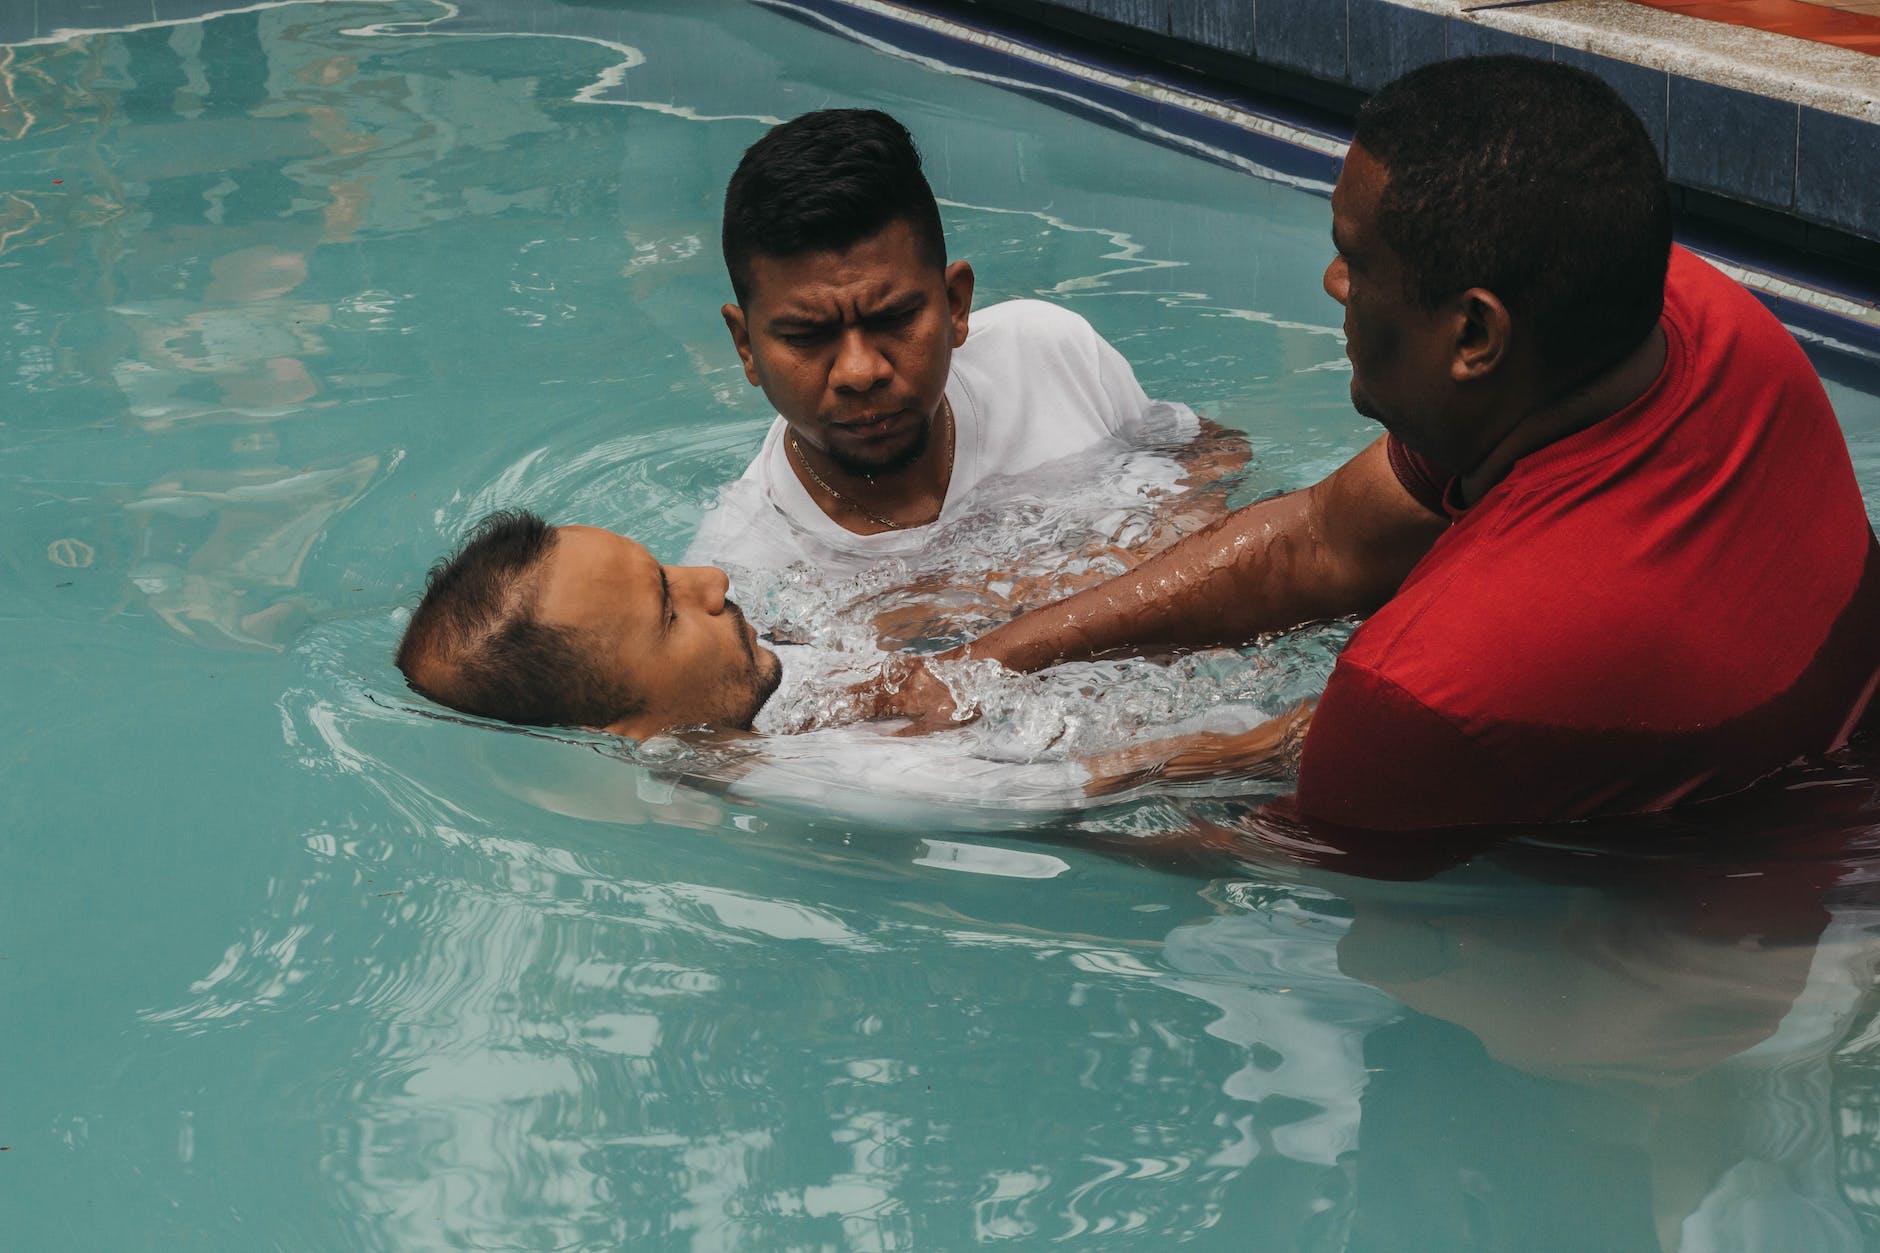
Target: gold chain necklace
(946, 409)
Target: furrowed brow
(906, 302)
(801, 322)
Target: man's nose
(860, 365)
(1337, 280)
(708, 585)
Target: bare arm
(1215, 453)
(1265, 752)
(948, 603)
(1341, 546)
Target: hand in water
(906, 689)
(1268, 751)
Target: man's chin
(766, 678)
(873, 463)
(1366, 409)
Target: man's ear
(1483, 333)
(741, 339)
(959, 280)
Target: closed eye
(896, 317)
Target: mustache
(744, 637)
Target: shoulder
(1018, 340)
(1029, 321)
(753, 520)
(1506, 618)
(1721, 318)
(1689, 276)
(744, 527)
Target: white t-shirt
(1032, 383)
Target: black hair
(475, 645)
(826, 180)
(1535, 181)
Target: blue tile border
(1211, 24)
(1472, 39)
(1142, 14)
(1388, 41)
(1730, 141)
(1109, 106)
(1837, 171)
(1830, 190)
(1305, 35)
(1648, 91)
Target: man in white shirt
(855, 325)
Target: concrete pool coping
(1304, 148)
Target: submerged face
(852, 346)
(665, 633)
(1400, 353)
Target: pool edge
(1182, 109)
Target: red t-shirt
(1669, 604)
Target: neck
(1564, 411)
(869, 504)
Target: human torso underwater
(1032, 385)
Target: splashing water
(1031, 543)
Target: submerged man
(1611, 544)
(575, 626)
(855, 325)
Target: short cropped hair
(475, 645)
(824, 181)
(1535, 181)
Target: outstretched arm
(1342, 546)
(1267, 751)
(1339, 547)
(949, 603)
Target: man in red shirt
(1611, 544)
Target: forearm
(1267, 751)
(1340, 547)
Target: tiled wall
(1821, 167)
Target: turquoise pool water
(294, 294)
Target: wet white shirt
(1033, 383)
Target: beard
(1365, 407)
(763, 677)
(761, 682)
(894, 461)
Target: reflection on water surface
(295, 293)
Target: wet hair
(826, 180)
(475, 645)
(1532, 180)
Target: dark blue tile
(1837, 172)
(1472, 39)
(1646, 90)
(1732, 142)
(1305, 35)
(1223, 24)
(1141, 14)
(1388, 41)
